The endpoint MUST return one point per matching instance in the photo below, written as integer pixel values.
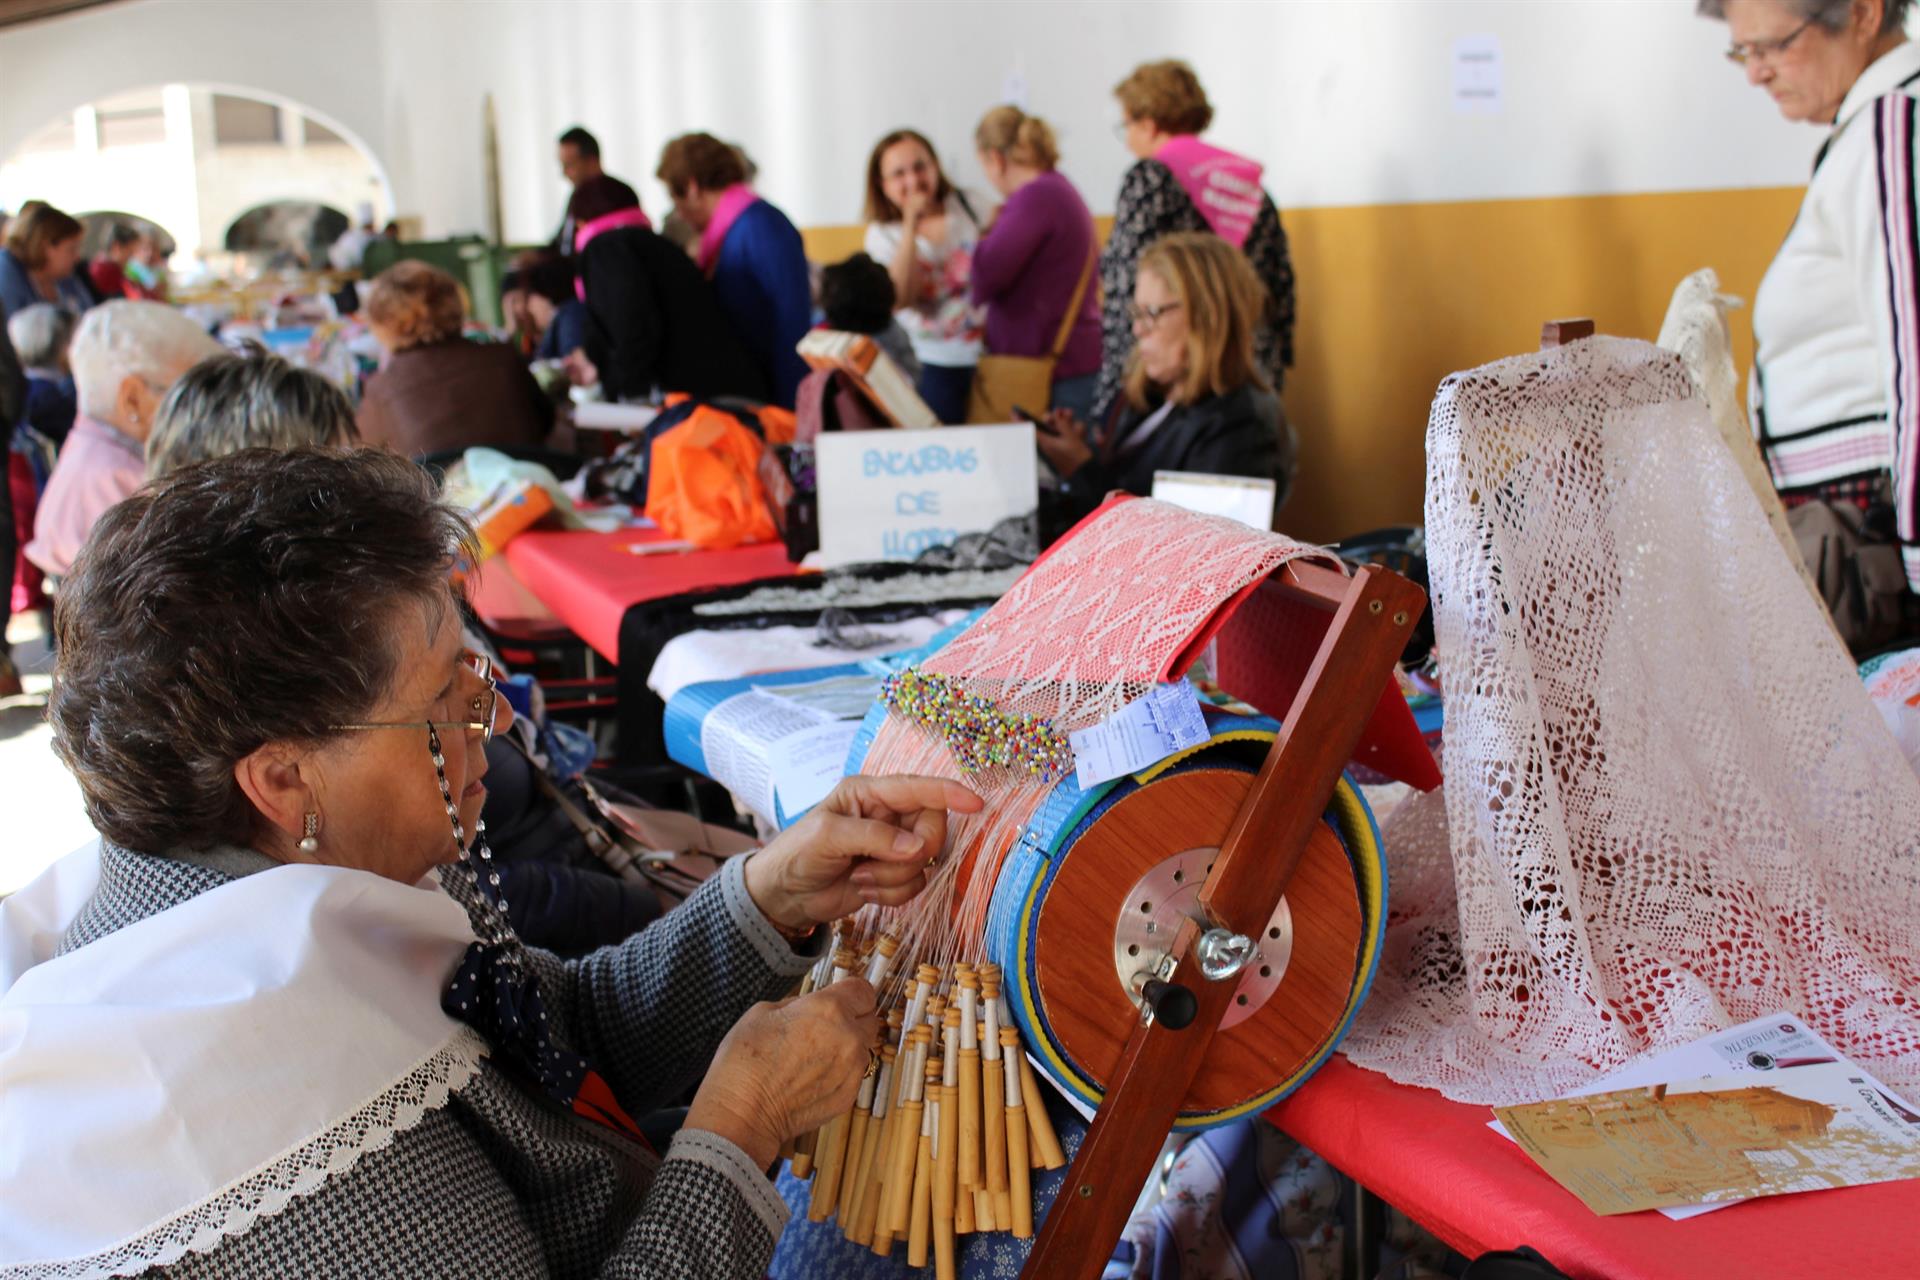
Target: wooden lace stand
(1372, 614)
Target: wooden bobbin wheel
(1092, 1013)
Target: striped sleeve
(1894, 137)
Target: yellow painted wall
(1393, 298)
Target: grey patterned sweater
(506, 1184)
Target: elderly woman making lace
(273, 1023)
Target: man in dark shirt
(580, 165)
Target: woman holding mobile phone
(1195, 398)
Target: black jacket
(653, 320)
(1241, 433)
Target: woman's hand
(787, 1067)
(870, 840)
(915, 210)
(1063, 442)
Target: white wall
(1347, 101)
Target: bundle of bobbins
(946, 1133)
(1177, 946)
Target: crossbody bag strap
(1073, 307)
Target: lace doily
(1670, 805)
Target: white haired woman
(125, 358)
(277, 1012)
(1835, 396)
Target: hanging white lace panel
(1696, 330)
(1669, 805)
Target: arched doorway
(203, 162)
(287, 233)
(100, 223)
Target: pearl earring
(310, 839)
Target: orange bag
(704, 483)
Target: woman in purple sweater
(1036, 256)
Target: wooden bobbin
(1045, 1142)
(899, 1205)
(946, 1168)
(1019, 1181)
(857, 1220)
(830, 1188)
(920, 1229)
(969, 985)
(993, 1083)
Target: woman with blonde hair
(1196, 398)
(1184, 184)
(438, 390)
(1033, 268)
(923, 230)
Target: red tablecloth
(1438, 1162)
(590, 579)
(508, 608)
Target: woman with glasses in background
(1195, 396)
(1835, 391)
(278, 1008)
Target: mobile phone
(1039, 422)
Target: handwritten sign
(890, 495)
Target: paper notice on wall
(1478, 86)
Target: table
(509, 609)
(589, 580)
(1438, 1163)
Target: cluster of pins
(946, 1134)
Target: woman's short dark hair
(1166, 93)
(857, 295)
(543, 272)
(232, 604)
(701, 158)
(37, 228)
(880, 208)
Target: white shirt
(945, 326)
(1836, 382)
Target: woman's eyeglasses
(1147, 317)
(483, 705)
(1764, 50)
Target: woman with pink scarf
(1184, 184)
(749, 250)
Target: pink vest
(1224, 187)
